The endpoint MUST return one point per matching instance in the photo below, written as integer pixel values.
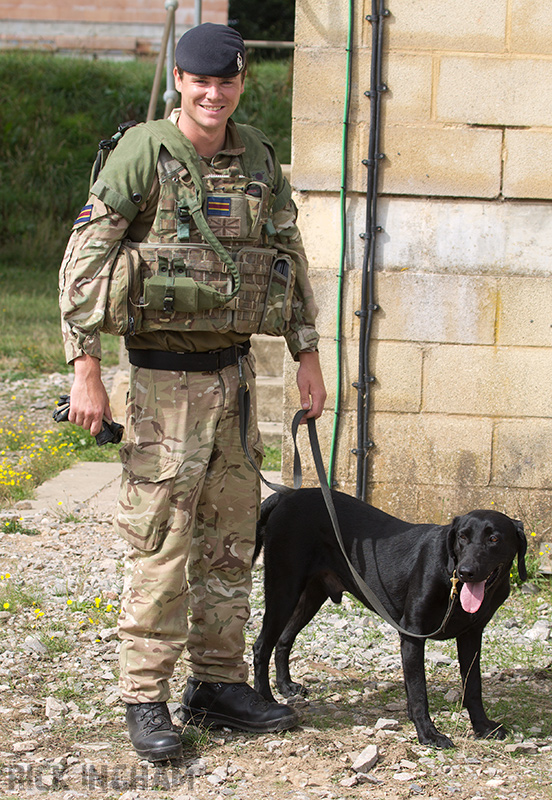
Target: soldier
(174, 199)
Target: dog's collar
(454, 589)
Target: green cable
(343, 198)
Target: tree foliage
(272, 19)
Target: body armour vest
(207, 263)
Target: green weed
(16, 596)
(17, 526)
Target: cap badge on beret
(239, 61)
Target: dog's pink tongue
(471, 596)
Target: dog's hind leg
(279, 608)
(469, 656)
(313, 597)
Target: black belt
(189, 362)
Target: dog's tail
(266, 510)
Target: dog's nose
(465, 574)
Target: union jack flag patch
(85, 214)
(218, 206)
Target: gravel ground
(62, 728)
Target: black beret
(210, 49)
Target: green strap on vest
(195, 207)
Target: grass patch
(272, 460)
(15, 596)
(28, 457)
(29, 319)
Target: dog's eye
(462, 538)
(494, 538)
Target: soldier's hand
(89, 400)
(311, 385)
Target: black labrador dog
(408, 567)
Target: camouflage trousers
(188, 506)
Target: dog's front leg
(469, 658)
(412, 652)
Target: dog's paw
(292, 689)
(436, 739)
(494, 730)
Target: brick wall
(462, 351)
(109, 26)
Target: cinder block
(408, 77)
(470, 237)
(269, 354)
(494, 381)
(495, 91)
(322, 24)
(269, 398)
(531, 27)
(521, 454)
(398, 499)
(444, 25)
(309, 103)
(441, 504)
(526, 152)
(271, 433)
(316, 156)
(395, 366)
(420, 307)
(432, 160)
(320, 223)
(397, 370)
(525, 312)
(417, 449)
(325, 284)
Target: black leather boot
(151, 731)
(233, 705)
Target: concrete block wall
(103, 27)
(462, 343)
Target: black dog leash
(244, 403)
(363, 587)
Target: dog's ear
(451, 539)
(522, 549)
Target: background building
(104, 27)
(462, 342)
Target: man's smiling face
(207, 102)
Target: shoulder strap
(260, 159)
(173, 166)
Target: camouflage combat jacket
(128, 205)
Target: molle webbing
(178, 265)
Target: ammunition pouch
(188, 287)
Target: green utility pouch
(169, 294)
(277, 309)
(123, 312)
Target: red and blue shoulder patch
(85, 214)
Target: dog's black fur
(407, 566)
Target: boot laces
(249, 694)
(155, 717)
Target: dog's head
(481, 547)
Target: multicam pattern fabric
(188, 497)
(93, 247)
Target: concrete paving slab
(91, 484)
(94, 486)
